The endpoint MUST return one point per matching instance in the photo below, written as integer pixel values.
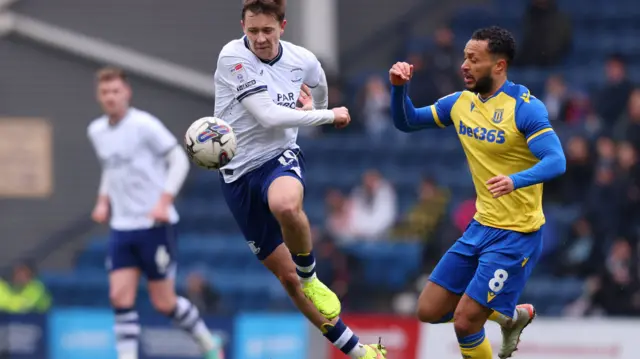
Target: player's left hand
(305, 99)
(500, 185)
(160, 213)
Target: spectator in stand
(444, 61)
(436, 72)
(611, 100)
(577, 255)
(374, 207)
(424, 88)
(202, 294)
(571, 187)
(375, 108)
(603, 203)
(628, 126)
(339, 216)
(615, 291)
(628, 175)
(24, 293)
(423, 220)
(464, 213)
(547, 35)
(556, 98)
(334, 267)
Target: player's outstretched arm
(406, 117)
(269, 115)
(533, 121)
(237, 75)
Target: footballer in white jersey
(143, 168)
(240, 74)
(258, 81)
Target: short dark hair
(109, 73)
(500, 41)
(276, 8)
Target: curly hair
(500, 41)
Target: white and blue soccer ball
(210, 143)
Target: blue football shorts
(151, 250)
(247, 199)
(490, 265)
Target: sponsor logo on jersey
(286, 100)
(246, 85)
(482, 134)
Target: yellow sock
(475, 346)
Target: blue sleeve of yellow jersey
(407, 118)
(532, 119)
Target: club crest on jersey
(497, 116)
(297, 75)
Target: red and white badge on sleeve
(239, 73)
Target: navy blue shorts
(490, 265)
(152, 250)
(247, 200)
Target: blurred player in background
(511, 149)
(143, 168)
(258, 82)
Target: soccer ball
(210, 143)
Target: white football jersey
(132, 156)
(240, 73)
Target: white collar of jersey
(268, 62)
(124, 117)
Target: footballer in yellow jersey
(511, 149)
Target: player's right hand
(100, 212)
(400, 73)
(342, 117)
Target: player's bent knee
(436, 304)
(164, 305)
(285, 198)
(428, 313)
(469, 317)
(122, 289)
(121, 297)
(464, 326)
(163, 296)
(286, 209)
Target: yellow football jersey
(494, 134)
